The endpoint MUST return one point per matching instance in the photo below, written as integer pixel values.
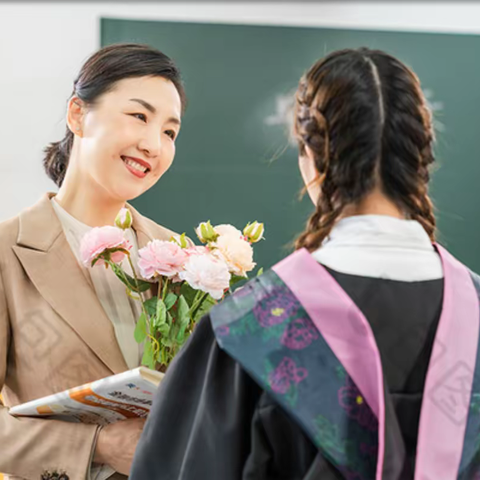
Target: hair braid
(321, 122)
(407, 143)
(365, 121)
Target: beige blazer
(54, 335)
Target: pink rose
(196, 250)
(101, 240)
(237, 253)
(206, 273)
(161, 258)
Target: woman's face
(126, 141)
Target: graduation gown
(311, 374)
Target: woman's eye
(140, 116)
(171, 133)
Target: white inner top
(380, 246)
(119, 307)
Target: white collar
(69, 220)
(378, 231)
(380, 246)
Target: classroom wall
(42, 46)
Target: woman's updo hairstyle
(364, 117)
(99, 75)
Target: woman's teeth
(135, 165)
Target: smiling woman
(62, 325)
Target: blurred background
(241, 63)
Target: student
(354, 357)
(61, 324)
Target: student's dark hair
(99, 75)
(363, 115)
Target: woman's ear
(310, 175)
(75, 114)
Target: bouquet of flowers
(186, 280)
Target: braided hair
(364, 118)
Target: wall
(42, 45)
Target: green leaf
(167, 342)
(260, 272)
(182, 324)
(163, 329)
(148, 358)
(140, 332)
(128, 280)
(183, 310)
(151, 306)
(204, 308)
(160, 314)
(161, 357)
(188, 292)
(170, 300)
(142, 285)
(234, 279)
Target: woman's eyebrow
(149, 107)
(152, 109)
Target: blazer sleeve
(31, 447)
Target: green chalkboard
(234, 162)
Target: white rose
(207, 273)
(237, 253)
(228, 231)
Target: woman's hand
(117, 442)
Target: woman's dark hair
(364, 117)
(99, 74)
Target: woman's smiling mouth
(137, 167)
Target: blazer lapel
(147, 230)
(45, 254)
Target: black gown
(210, 420)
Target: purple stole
(301, 337)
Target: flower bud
(254, 232)
(206, 232)
(180, 240)
(124, 219)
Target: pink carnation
(100, 240)
(161, 258)
(196, 250)
(207, 273)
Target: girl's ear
(310, 175)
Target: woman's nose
(151, 144)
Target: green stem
(134, 275)
(138, 289)
(195, 307)
(164, 293)
(144, 310)
(156, 347)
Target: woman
(353, 358)
(62, 325)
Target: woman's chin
(126, 193)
